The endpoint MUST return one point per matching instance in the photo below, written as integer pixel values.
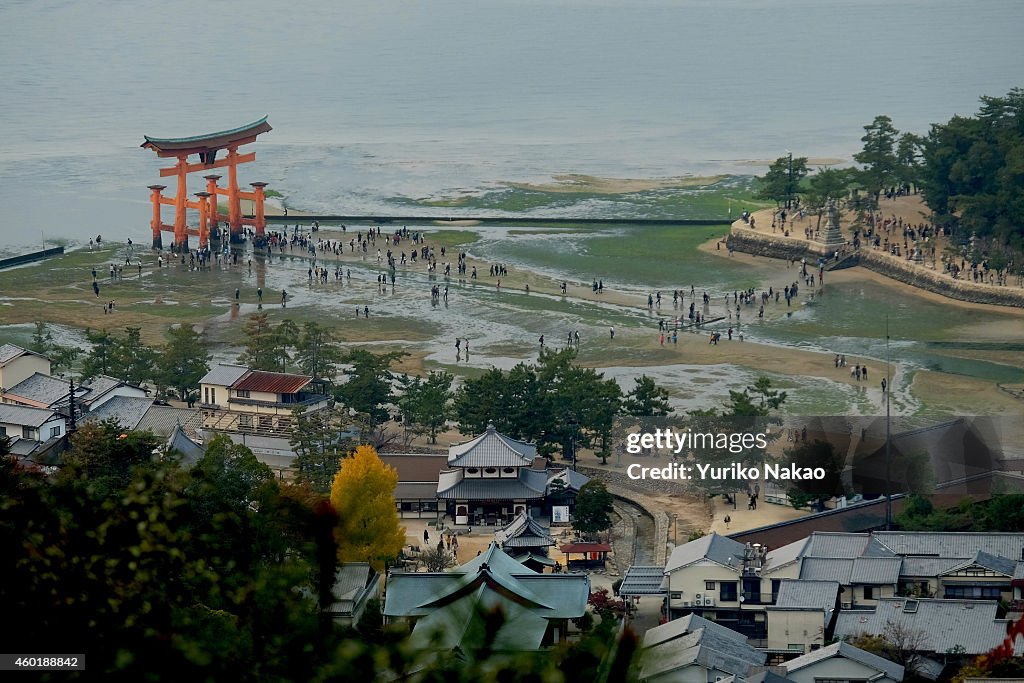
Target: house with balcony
(234, 398)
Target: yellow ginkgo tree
(363, 494)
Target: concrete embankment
(773, 246)
(30, 257)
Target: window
(508, 470)
(709, 585)
(213, 395)
(28, 432)
(243, 393)
(869, 592)
(677, 596)
(775, 590)
(54, 432)
(974, 592)
(245, 421)
(727, 591)
(491, 470)
(3, 430)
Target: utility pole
(789, 185)
(888, 436)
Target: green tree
(782, 181)
(878, 156)
(425, 405)
(320, 440)
(368, 383)
(646, 399)
(592, 513)
(182, 362)
(132, 361)
(100, 357)
(826, 184)
(316, 353)
(261, 344)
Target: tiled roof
(829, 544)
(799, 594)
(780, 557)
(928, 566)
(720, 549)
(583, 547)
(492, 449)
(99, 385)
(843, 649)
(448, 603)
(952, 544)
(523, 532)
(528, 485)
(272, 382)
(415, 491)
(1000, 565)
(43, 389)
(224, 374)
(876, 570)
(9, 352)
(161, 420)
(705, 647)
(415, 467)
(642, 580)
(127, 411)
(571, 479)
(826, 569)
(684, 626)
(943, 624)
(180, 442)
(24, 415)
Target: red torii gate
(207, 146)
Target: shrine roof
(208, 141)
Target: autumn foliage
(363, 496)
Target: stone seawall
(771, 246)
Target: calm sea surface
(388, 105)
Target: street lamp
(789, 186)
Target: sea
(404, 106)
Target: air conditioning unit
(708, 602)
(697, 597)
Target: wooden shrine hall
(206, 148)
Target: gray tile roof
(523, 532)
(720, 549)
(844, 649)
(999, 565)
(928, 566)
(191, 452)
(9, 352)
(827, 569)
(223, 374)
(943, 624)
(161, 420)
(415, 491)
(876, 570)
(1018, 572)
(836, 544)
(780, 557)
(799, 594)
(530, 485)
(25, 416)
(643, 580)
(684, 626)
(953, 544)
(43, 389)
(571, 479)
(127, 411)
(99, 385)
(492, 449)
(706, 647)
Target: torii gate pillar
(156, 223)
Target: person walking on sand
(611, 332)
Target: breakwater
(30, 257)
(774, 246)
